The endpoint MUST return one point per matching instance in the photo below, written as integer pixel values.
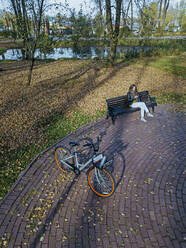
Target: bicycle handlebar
(88, 144)
(94, 145)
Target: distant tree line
(110, 19)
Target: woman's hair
(131, 89)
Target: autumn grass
(171, 98)
(172, 65)
(19, 158)
(2, 50)
(67, 94)
(161, 47)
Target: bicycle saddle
(73, 143)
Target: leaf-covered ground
(144, 73)
(57, 85)
(61, 87)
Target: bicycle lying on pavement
(100, 180)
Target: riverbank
(67, 94)
(161, 42)
(6, 44)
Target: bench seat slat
(124, 110)
(125, 104)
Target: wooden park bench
(120, 105)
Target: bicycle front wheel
(101, 182)
(63, 158)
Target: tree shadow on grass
(69, 99)
(45, 85)
(60, 81)
(142, 71)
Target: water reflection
(77, 52)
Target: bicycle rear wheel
(101, 182)
(62, 153)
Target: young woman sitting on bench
(135, 102)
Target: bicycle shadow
(113, 151)
(95, 216)
(117, 167)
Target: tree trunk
(100, 7)
(113, 32)
(159, 15)
(113, 47)
(166, 5)
(33, 48)
(28, 19)
(30, 71)
(131, 24)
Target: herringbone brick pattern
(148, 209)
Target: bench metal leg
(152, 109)
(113, 120)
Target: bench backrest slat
(124, 99)
(117, 102)
(121, 98)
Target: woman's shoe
(150, 115)
(143, 119)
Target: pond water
(80, 53)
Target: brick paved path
(47, 209)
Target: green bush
(159, 47)
(2, 50)
(8, 34)
(45, 44)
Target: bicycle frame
(79, 166)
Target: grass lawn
(67, 94)
(174, 65)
